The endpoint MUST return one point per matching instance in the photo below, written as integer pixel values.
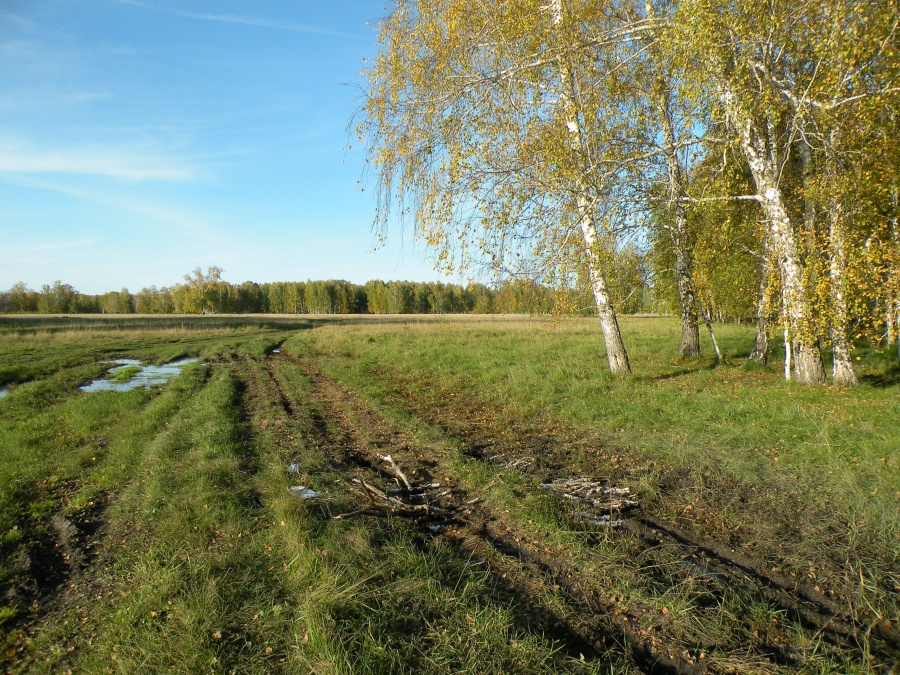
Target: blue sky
(140, 139)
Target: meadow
(536, 514)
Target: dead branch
(602, 498)
(397, 471)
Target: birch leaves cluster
(537, 136)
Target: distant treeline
(206, 294)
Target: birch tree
(812, 80)
(672, 120)
(745, 45)
(202, 286)
(493, 128)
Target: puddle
(4, 391)
(146, 377)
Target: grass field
(737, 524)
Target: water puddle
(144, 376)
(4, 391)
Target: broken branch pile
(602, 499)
(404, 500)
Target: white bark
(759, 151)
(842, 372)
(760, 352)
(609, 325)
(712, 337)
(788, 350)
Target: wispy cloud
(62, 245)
(48, 98)
(151, 212)
(236, 19)
(123, 164)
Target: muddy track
(53, 570)
(723, 569)
(522, 566)
(723, 566)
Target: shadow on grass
(697, 366)
(890, 377)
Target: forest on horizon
(209, 294)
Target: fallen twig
(400, 474)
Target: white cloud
(124, 164)
(142, 212)
(62, 245)
(236, 19)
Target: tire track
(836, 623)
(522, 567)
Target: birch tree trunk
(687, 295)
(759, 151)
(760, 352)
(712, 336)
(892, 318)
(842, 372)
(609, 325)
(684, 259)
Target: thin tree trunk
(678, 230)
(893, 295)
(609, 325)
(759, 152)
(809, 208)
(890, 307)
(760, 352)
(687, 294)
(842, 373)
(684, 259)
(788, 351)
(712, 337)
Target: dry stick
(390, 460)
(367, 491)
(341, 516)
(374, 495)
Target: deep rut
(353, 435)
(724, 568)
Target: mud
(52, 567)
(480, 531)
(529, 450)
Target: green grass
(196, 579)
(191, 575)
(125, 374)
(747, 423)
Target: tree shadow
(699, 365)
(890, 377)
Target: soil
(527, 567)
(59, 567)
(55, 572)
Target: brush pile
(602, 500)
(405, 499)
